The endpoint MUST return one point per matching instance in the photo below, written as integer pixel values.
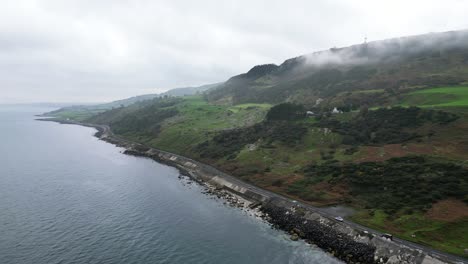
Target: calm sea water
(66, 197)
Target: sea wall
(339, 239)
(346, 242)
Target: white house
(336, 111)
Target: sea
(67, 197)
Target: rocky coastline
(344, 242)
(339, 245)
(289, 220)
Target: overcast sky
(101, 50)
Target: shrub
(286, 111)
(278, 182)
(231, 141)
(414, 182)
(385, 126)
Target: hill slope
(380, 127)
(394, 64)
(80, 112)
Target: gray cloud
(390, 49)
(83, 50)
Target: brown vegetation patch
(382, 153)
(422, 148)
(452, 140)
(271, 181)
(333, 193)
(457, 149)
(292, 178)
(369, 153)
(392, 228)
(449, 210)
(332, 188)
(462, 148)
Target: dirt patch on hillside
(382, 153)
(286, 180)
(333, 193)
(457, 149)
(449, 210)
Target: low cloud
(83, 50)
(390, 49)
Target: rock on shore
(338, 244)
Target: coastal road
(105, 130)
(327, 214)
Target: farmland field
(456, 96)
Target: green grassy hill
(381, 127)
(455, 96)
(299, 156)
(81, 112)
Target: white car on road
(339, 218)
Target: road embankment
(345, 240)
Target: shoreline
(346, 241)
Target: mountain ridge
(347, 65)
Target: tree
(286, 111)
(363, 110)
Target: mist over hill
(379, 127)
(416, 61)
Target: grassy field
(449, 236)
(241, 107)
(198, 120)
(456, 96)
(76, 115)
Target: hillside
(391, 65)
(379, 127)
(186, 91)
(81, 112)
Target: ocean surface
(66, 197)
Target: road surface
(105, 130)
